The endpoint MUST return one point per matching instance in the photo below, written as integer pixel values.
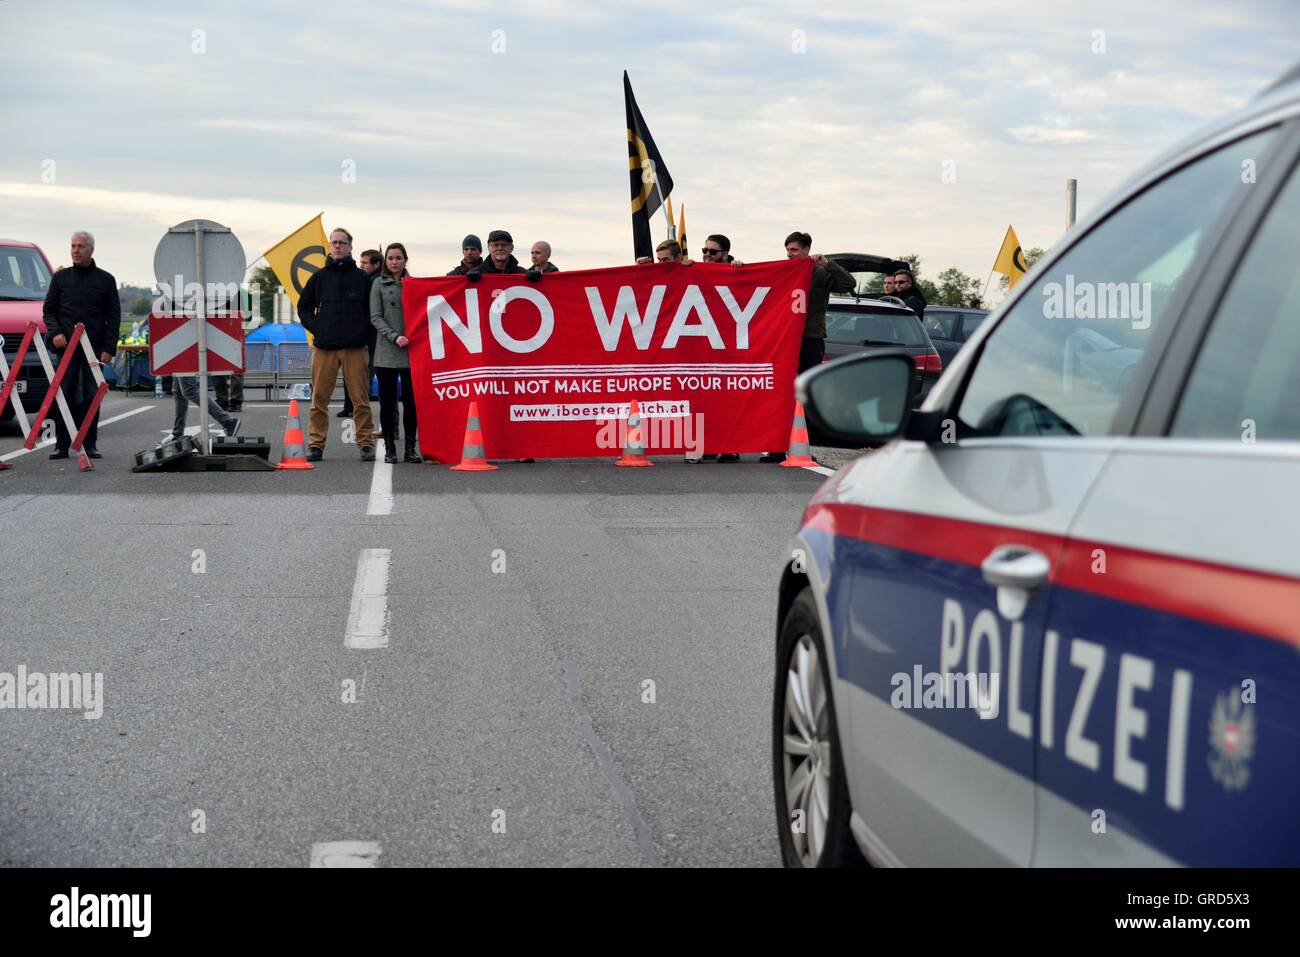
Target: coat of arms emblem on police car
(1232, 741)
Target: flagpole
(986, 284)
(672, 227)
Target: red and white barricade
(174, 344)
(9, 394)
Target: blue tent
(278, 332)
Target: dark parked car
(949, 327)
(856, 326)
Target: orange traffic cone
(471, 456)
(799, 455)
(634, 450)
(294, 455)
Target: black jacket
(461, 269)
(550, 267)
(512, 266)
(86, 295)
(335, 306)
(915, 301)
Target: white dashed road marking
(102, 422)
(381, 487)
(345, 854)
(368, 616)
(820, 469)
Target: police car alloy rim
(807, 748)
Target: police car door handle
(1015, 566)
(1015, 571)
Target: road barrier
(292, 364)
(259, 366)
(9, 393)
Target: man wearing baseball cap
(472, 253)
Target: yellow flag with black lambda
(1011, 259)
(681, 228)
(294, 258)
(648, 177)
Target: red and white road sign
(174, 344)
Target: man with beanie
(335, 308)
(472, 256)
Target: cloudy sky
(463, 116)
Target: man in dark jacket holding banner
(335, 308)
(500, 257)
(472, 251)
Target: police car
(1055, 620)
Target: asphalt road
(504, 723)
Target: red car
(24, 280)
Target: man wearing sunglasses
(335, 308)
(717, 249)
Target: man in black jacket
(905, 289)
(500, 258)
(541, 253)
(472, 255)
(82, 294)
(335, 308)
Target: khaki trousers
(325, 365)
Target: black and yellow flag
(298, 255)
(647, 175)
(1011, 259)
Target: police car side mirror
(858, 401)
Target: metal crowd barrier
(259, 366)
(292, 364)
(276, 366)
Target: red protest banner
(709, 351)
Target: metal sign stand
(224, 260)
(198, 229)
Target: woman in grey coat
(391, 360)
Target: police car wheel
(812, 795)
